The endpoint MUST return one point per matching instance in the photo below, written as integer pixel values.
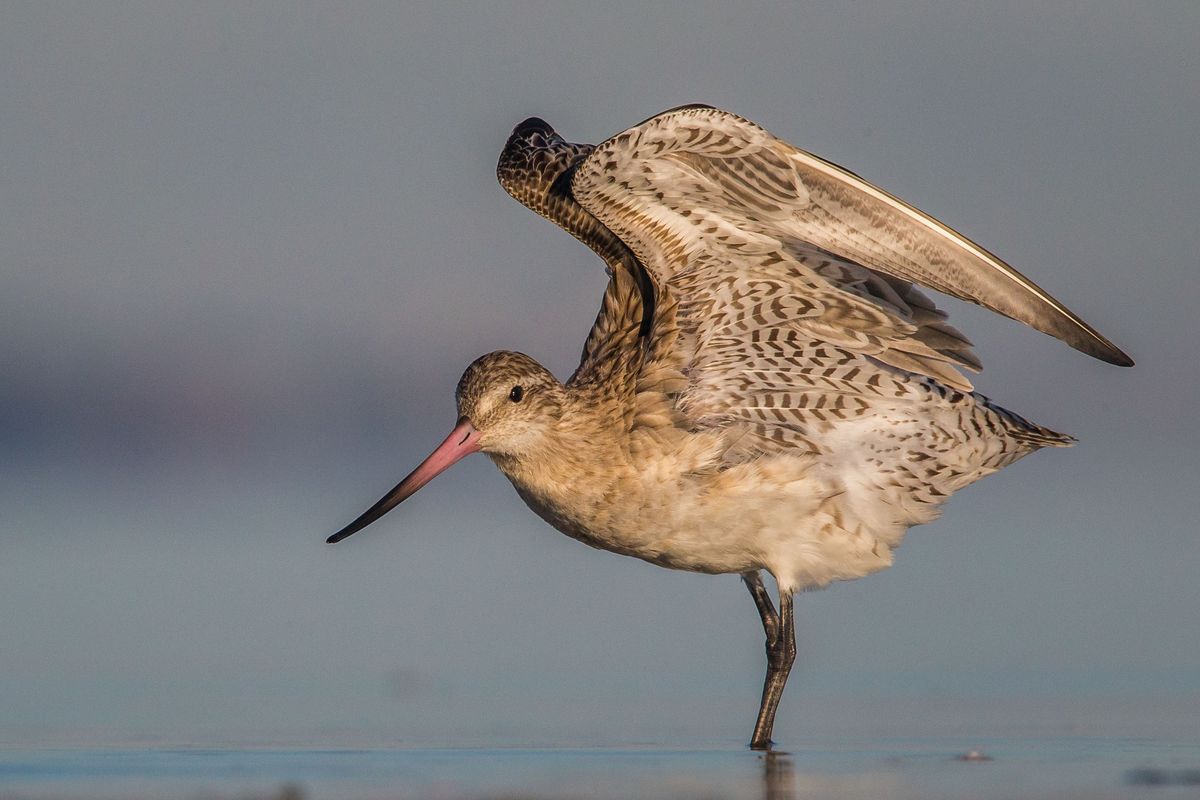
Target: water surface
(1029, 767)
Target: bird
(767, 387)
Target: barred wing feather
(702, 190)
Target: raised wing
(536, 166)
(700, 192)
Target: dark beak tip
(446, 454)
(337, 537)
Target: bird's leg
(766, 609)
(781, 654)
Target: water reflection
(779, 776)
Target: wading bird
(765, 387)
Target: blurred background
(247, 250)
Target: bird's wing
(535, 167)
(705, 199)
(785, 297)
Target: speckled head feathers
(510, 399)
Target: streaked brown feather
(755, 330)
(744, 176)
(535, 167)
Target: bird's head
(511, 400)
(507, 404)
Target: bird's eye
(516, 394)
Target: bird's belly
(633, 530)
(644, 531)
(728, 523)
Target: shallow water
(1030, 767)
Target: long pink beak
(462, 441)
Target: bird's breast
(666, 513)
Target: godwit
(765, 387)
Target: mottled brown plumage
(536, 167)
(765, 386)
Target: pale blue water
(1028, 767)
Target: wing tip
(1096, 346)
(533, 125)
(1117, 357)
(519, 156)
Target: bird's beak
(462, 441)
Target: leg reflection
(779, 778)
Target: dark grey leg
(766, 609)
(781, 654)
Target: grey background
(246, 251)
